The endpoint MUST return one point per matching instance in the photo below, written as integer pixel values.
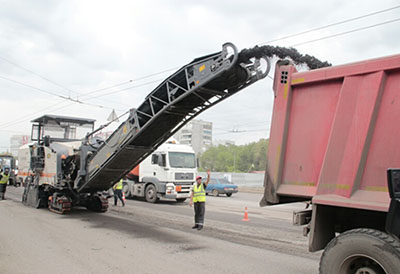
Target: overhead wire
(150, 75)
(330, 25)
(50, 92)
(37, 74)
(347, 32)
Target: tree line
(232, 158)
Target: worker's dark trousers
(2, 191)
(118, 194)
(199, 211)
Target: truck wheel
(215, 192)
(151, 194)
(181, 200)
(361, 251)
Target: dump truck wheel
(151, 194)
(361, 251)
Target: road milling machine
(60, 170)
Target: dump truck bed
(334, 133)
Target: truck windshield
(182, 160)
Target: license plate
(178, 188)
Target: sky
(111, 54)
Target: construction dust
(282, 52)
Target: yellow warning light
(202, 68)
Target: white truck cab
(169, 172)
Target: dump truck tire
(361, 251)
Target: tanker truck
(62, 169)
(169, 172)
(334, 143)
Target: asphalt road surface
(153, 238)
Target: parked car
(218, 186)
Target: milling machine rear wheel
(361, 251)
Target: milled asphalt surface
(153, 238)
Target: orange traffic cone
(246, 215)
(123, 197)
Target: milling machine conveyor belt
(195, 87)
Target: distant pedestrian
(4, 176)
(198, 198)
(118, 192)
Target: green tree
(233, 158)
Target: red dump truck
(335, 141)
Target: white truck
(169, 172)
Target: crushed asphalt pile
(283, 53)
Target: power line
(274, 40)
(119, 90)
(50, 81)
(37, 74)
(347, 32)
(35, 88)
(23, 118)
(102, 89)
(150, 75)
(130, 81)
(52, 93)
(329, 25)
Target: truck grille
(184, 176)
(183, 188)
